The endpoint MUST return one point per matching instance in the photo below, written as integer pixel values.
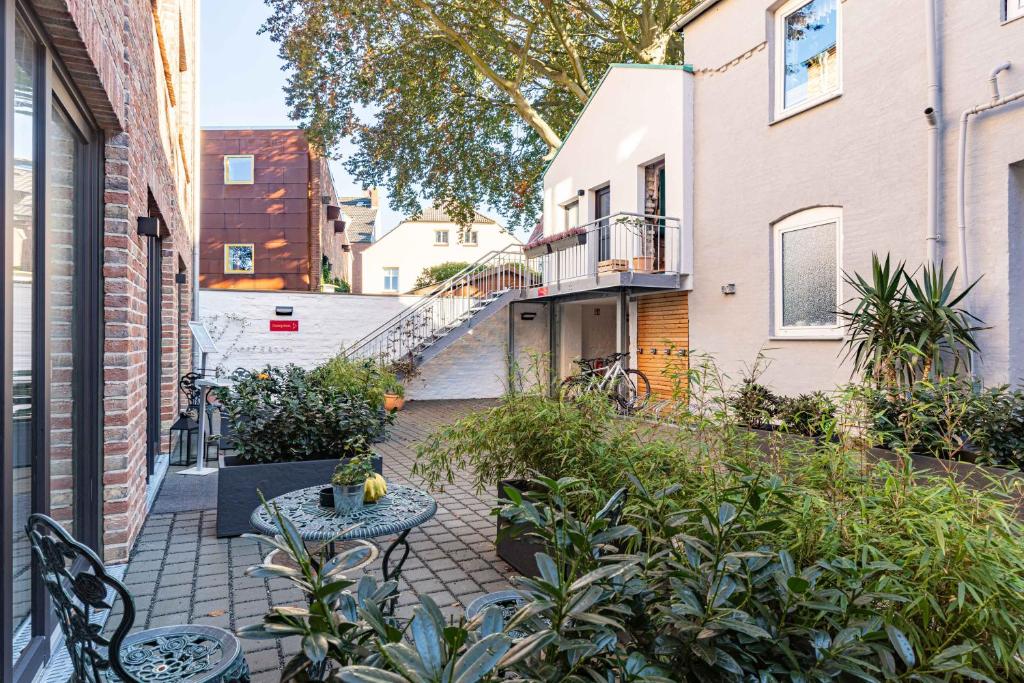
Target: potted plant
(394, 394)
(349, 482)
(291, 427)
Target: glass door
(51, 404)
(602, 209)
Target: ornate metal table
(403, 509)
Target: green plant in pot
(349, 482)
(394, 393)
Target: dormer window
(808, 54)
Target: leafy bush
(811, 414)
(755, 405)
(433, 275)
(357, 376)
(287, 414)
(950, 418)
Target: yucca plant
(902, 328)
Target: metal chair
(79, 586)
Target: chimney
(374, 198)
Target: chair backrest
(187, 385)
(78, 585)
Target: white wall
(410, 247)
(638, 115)
(473, 367)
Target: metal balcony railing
(623, 242)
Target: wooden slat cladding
(663, 322)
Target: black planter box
(239, 486)
(517, 549)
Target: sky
(241, 82)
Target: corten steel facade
(99, 104)
(282, 211)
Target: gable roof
(434, 214)
(363, 219)
(593, 95)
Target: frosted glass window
(807, 273)
(239, 169)
(810, 58)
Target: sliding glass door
(51, 316)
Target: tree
(463, 101)
(433, 275)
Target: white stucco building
(396, 259)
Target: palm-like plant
(901, 329)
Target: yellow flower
(263, 375)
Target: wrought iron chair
(79, 586)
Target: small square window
(808, 54)
(1014, 9)
(391, 279)
(239, 169)
(239, 258)
(470, 238)
(441, 238)
(806, 277)
(572, 215)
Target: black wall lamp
(180, 278)
(149, 226)
(528, 315)
(283, 310)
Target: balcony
(622, 250)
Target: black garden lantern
(184, 440)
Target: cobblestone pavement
(180, 572)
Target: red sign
(284, 325)
(542, 291)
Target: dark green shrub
(433, 275)
(807, 414)
(755, 405)
(287, 414)
(357, 377)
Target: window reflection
(811, 54)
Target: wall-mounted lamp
(528, 315)
(324, 199)
(729, 288)
(149, 226)
(180, 278)
(580, 193)
(283, 310)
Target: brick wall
(142, 95)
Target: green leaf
(901, 644)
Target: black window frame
(53, 88)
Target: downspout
(934, 117)
(961, 179)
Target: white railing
(402, 339)
(623, 242)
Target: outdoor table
(400, 511)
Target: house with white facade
(394, 262)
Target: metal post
(511, 357)
(622, 318)
(552, 348)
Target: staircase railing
(401, 340)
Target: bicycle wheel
(573, 388)
(632, 390)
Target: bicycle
(628, 387)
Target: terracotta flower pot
(393, 402)
(643, 264)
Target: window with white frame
(572, 215)
(391, 279)
(441, 238)
(239, 169)
(1014, 9)
(806, 275)
(808, 59)
(470, 238)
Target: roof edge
(700, 9)
(687, 68)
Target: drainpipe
(961, 180)
(934, 117)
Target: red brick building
(270, 214)
(99, 195)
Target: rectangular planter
(238, 486)
(517, 550)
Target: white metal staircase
(456, 305)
